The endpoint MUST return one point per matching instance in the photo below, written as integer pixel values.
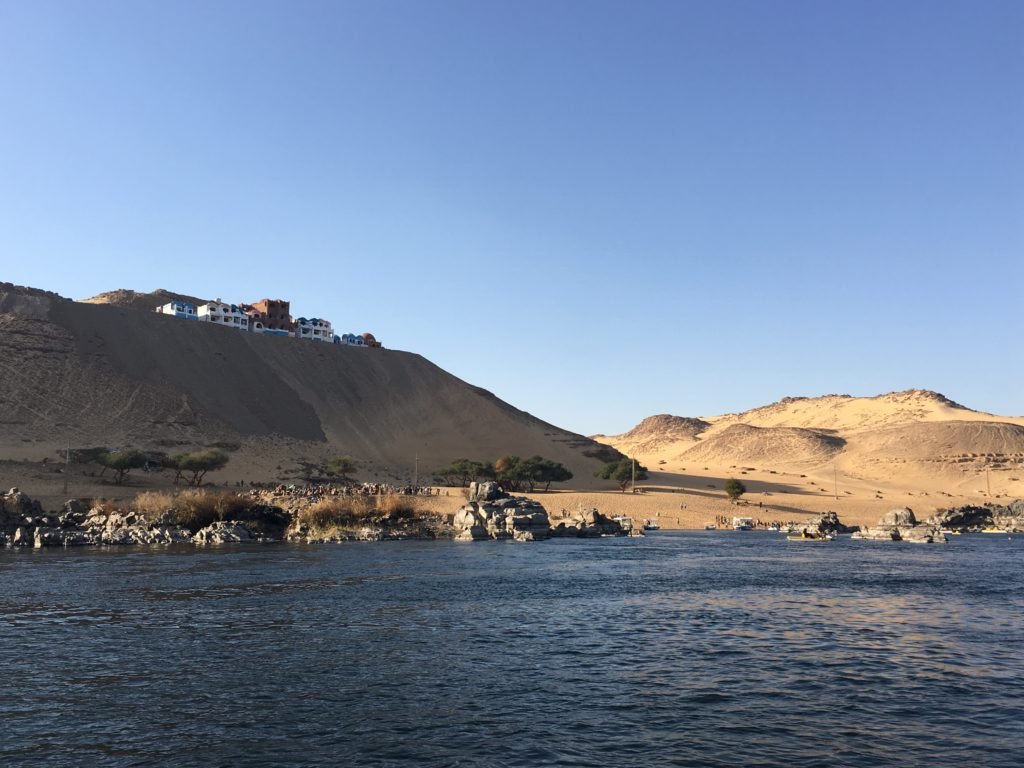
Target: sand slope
(856, 455)
(106, 374)
(742, 443)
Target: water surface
(702, 649)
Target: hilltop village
(269, 317)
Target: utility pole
(67, 468)
(416, 476)
(632, 486)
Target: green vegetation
(463, 472)
(514, 473)
(198, 463)
(342, 468)
(734, 488)
(622, 472)
(121, 462)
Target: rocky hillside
(657, 431)
(114, 373)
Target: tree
(121, 462)
(734, 488)
(201, 462)
(174, 462)
(511, 472)
(537, 469)
(343, 468)
(463, 472)
(552, 472)
(622, 472)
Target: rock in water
(492, 514)
(901, 525)
(223, 533)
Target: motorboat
(805, 536)
(651, 525)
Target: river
(681, 649)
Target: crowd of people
(317, 491)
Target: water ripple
(676, 650)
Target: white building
(224, 314)
(314, 329)
(351, 340)
(179, 309)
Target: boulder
(589, 523)
(15, 506)
(59, 537)
(827, 522)
(486, 491)
(966, 518)
(901, 525)
(1010, 518)
(223, 532)
(881, 533)
(899, 517)
(504, 517)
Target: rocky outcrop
(223, 532)
(827, 522)
(589, 523)
(972, 518)
(493, 514)
(901, 525)
(14, 507)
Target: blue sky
(597, 210)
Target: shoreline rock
(901, 525)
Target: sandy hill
(992, 442)
(655, 432)
(104, 373)
(876, 449)
(742, 443)
(849, 414)
(143, 302)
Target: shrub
(195, 509)
(153, 504)
(336, 512)
(398, 507)
(734, 488)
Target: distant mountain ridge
(916, 425)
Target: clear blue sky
(597, 210)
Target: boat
(811, 537)
(774, 528)
(743, 523)
(994, 530)
(710, 527)
(651, 525)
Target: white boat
(743, 523)
(651, 525)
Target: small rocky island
(493, 514)
(902, 525)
